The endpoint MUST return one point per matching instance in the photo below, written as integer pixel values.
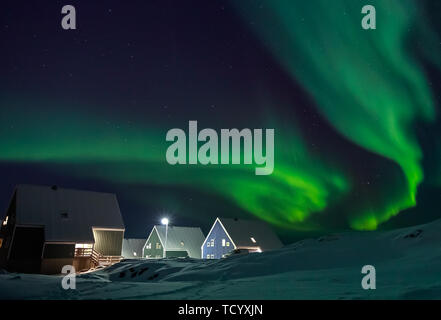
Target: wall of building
(7, 231)
(156, 249)
(26, 249)
(83, 263)
(58, 250)
(176, 254)
(217, 243)
(108, 242)
(55, 266)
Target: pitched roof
(47, 206)
(241, 231)
(132, 245)
(191, 237)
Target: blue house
(230, 234)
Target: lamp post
(164, 221)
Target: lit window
(149, 246)
(208, 244)
(208, 256)
(134, 253)
(228, 243)
(223, 242)
(252, 239)
(212, 242)
(182, 243)
(158, 245)
(83, 245)
(223, 256)
(6, 221)
(212, 256)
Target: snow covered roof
(189, 239)
(132, 246)
(242, 233)
(67, 214)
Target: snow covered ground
(407, 262)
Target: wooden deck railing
(83, 252)
(97, 258)
(108, 260)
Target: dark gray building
(46, 228)
(132, 248)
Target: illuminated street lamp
(164, 221)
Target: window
(6, 221)
(208, 244)
(134, 253)
(223, 256)
(1, 242)
(228, 243)
(252, 239)
(149, 246)
(208, 256)
(64, 215)
(212, 256)
(182, 243)
(83, 245)
(212, 242)
(223, 242)
(158, 245)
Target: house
(230, 234)
(180, 242)
(132, 248)
(46, 228)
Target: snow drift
(407, 262)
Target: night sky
(355, 112)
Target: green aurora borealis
(366, 83)
(285, 198)
(370, 87)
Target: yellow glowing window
(83, 245)
(6, 221)
(1, 242)
(252, 239)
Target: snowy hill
(407, 262)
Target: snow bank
(407, 261)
